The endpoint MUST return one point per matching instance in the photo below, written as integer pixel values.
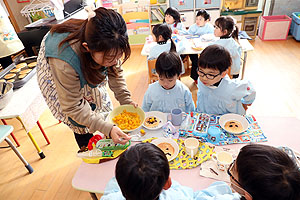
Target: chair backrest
(228, 72)
(153, 76)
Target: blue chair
(5, 131)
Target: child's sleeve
(147, 102)
(112, 191)
(189, 103)
(245, 92)
(181, 29)
(192, 30)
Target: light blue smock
(228, 97)
(156, 49)
(235, 51)
(180, 27)
(157, 98)
(194, 29)
(175, 192)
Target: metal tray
(20, 82)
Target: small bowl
(129, 108)
(234, 117)
(169, 141)
(6, 96)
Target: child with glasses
(226, 29)
(168, 92)
(143, 172)
(260, 172)
(217, 93)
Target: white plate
(171, 142)
(159, 115)
(228, 117)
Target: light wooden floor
(273, 68)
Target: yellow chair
(153, 76)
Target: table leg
(40, 152)
(27, 165)
(244, 65)
(93, 195)
(12, 135)
(43, 132)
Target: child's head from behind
(202, 17)
(168, 67)
(161, 32)
(213, 64)
(142, 172)
(172, 15)
(266, 173)
(225, 27)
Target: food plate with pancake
(154, 120)
(234, 123)
(168, 146)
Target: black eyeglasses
(208, 76)
(238, 188)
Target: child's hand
(134, 104)
(246, 106)
(175, 31)
(118, 136)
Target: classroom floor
(273, 67)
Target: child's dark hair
(268, 173)
(227, 23)
(168, 64)
(204, 14)
(142, 171)
(174, 13)
(165, 31)
(215, 57)
(106, 32)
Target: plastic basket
(295, 25)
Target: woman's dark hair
(174, 13)
(168, 64)
(227, 23)
(165, 31)
(106, 32)
(215, 57)
(142, 171)
(204, 14)
(268, 173)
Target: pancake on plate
(32, 65)
(22, 76)
(21, 65)
(11, 80)
(151, 122)
(9, 76)
(26, 71)
(234, 126)
(15, 70)
(167, 148)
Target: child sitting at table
(217, 93)
(260, 172)
(168, 92)
(143, 172)
(162, 34)
(201, 27)
(172, 19)
(226, 29)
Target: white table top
(281, 131)
(245, 44)
(27, 102)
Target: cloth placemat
(183, 160)
(253, 134)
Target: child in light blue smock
(143, 172)
(217, 93)
(226, 29)
(201, 27)
(168, 92)
(172, 19)
(161, 34)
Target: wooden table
(280, 131)
(245, 44)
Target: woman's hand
(134, 104)
(118, 136)
(246, 106)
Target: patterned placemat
(183, 160)
(253, 134)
